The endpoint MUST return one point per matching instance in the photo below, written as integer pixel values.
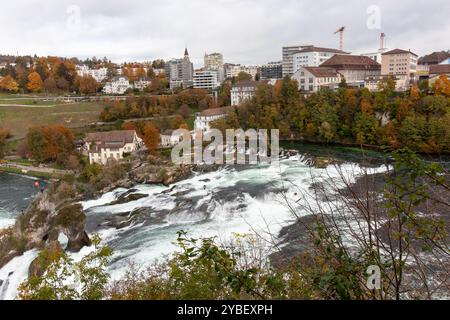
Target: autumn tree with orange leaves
(442, 86)
(51, 143)
(86, 85)
(35, 83)
(151, 137)
(9, 84)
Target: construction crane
(341, 38)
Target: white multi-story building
(288, 61)
(312, 79)
(141, 84)
(103, 147)
(243, 91)
(204, 119)
(117, 85)
(313, 57)
(98, 74)
(206, 79)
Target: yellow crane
(341, 38)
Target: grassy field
(19, 119)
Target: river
(220, 203)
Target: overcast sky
(245, 31)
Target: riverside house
(103, 147)
(204, 118)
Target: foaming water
(249, 199)
(217, 204)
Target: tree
(64, 279)
(151, 137)
(50, 85)
(86, 85)
(62, 84)
(185, 112)
(242, 76)
(35, 83)
(52, 143)
(4, 134)
(9, 84)
(442, 86)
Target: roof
(319, 49)
(119, 137)
(434, 58)
(340, 61)
(322, 72)
(246, 83)
(398, 51)
(440, 69)
(216, 111)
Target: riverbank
(33, 171)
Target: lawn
(19, 119)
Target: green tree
(64, 279)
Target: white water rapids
(221, 203)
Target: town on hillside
(130, 103)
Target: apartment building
(272, 70)
(243, 91)
(233, 70)
(214, 62)
(403, 65)
(313, 56)
(355, 69)
(117, 85)
(180, 72)
(206, 79)
(287, 58)
(98, 74)
(312, 79)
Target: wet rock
(125, 198)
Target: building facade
(206, 79)
(354, 69)
(403, 65)
(272, 70)
(168, 139)
(313, 57)
(104, 147)
(312, 79)
(233, 70)
(287, 58)
(180, 72)
(204, 118)
(243, 91)
(117, 85)
(214, 62)
(98, 74)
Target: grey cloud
(245, 31)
